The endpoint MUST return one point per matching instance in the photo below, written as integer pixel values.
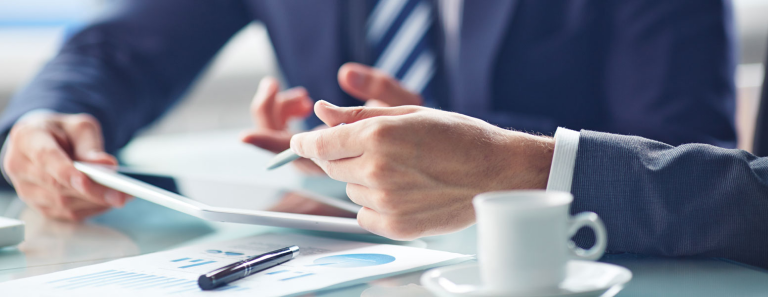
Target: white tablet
(232, 202)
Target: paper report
(323, 264)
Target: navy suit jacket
(658, 69)
(688, 200)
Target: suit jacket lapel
(483, 25)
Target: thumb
(365, 83)
(333, 115)
(87, 142)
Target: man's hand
(415, 170)
(271, 109)
(39, 162)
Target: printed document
(324, 263)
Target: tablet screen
(249, 196)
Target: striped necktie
(398, 32)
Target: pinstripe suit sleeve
(690, 200)
(128, 67)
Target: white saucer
(583, 278)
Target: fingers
(348, 170)
(274, 141)
(84, 133)
(333, 115)
(292, 103)
(87, 143)
(364, 83)
(263, 104)
(92, 191)
(36, 155)
(42, 197)
(271, 109)
(392, 228)
(370, 220)
(46, 157)
(328, 144)
(360, 195)
(59, 206)
(71, 215)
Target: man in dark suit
(655, 199)
(659, 69)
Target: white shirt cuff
(563, 160)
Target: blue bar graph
(126, 280)
(298, 276)
(198, 264)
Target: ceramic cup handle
(591, 220)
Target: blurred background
(32, 30)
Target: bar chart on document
(177, 273)
(171, 275)
(322, 263)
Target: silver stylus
(285, 157)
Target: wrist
(530, 160)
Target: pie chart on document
(353, 260)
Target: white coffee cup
(524, 239)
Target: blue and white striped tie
(398, 31)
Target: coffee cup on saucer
(524, 239)
(524, 249)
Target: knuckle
(84, 118)
(68, 214)
(63, 201)
(372, 176)
(17, 132)
(45, 153)
(47, 179)
(363, 221)
(382, 131)
(12, 164)
(61, 173)
(387, 202)
(379, 174)
(357, 112)
(321, 145)
(25, 194)
(400, 229)
(350, 191)
(84, 122)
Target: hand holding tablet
(229, 202)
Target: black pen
(235, 271)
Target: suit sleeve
(669, 72)
(689, 200)
(130, 66)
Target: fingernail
(326, 103)
(356, 78)
(113, 198)
(77, 183)
(93, 154)
(295, 92)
